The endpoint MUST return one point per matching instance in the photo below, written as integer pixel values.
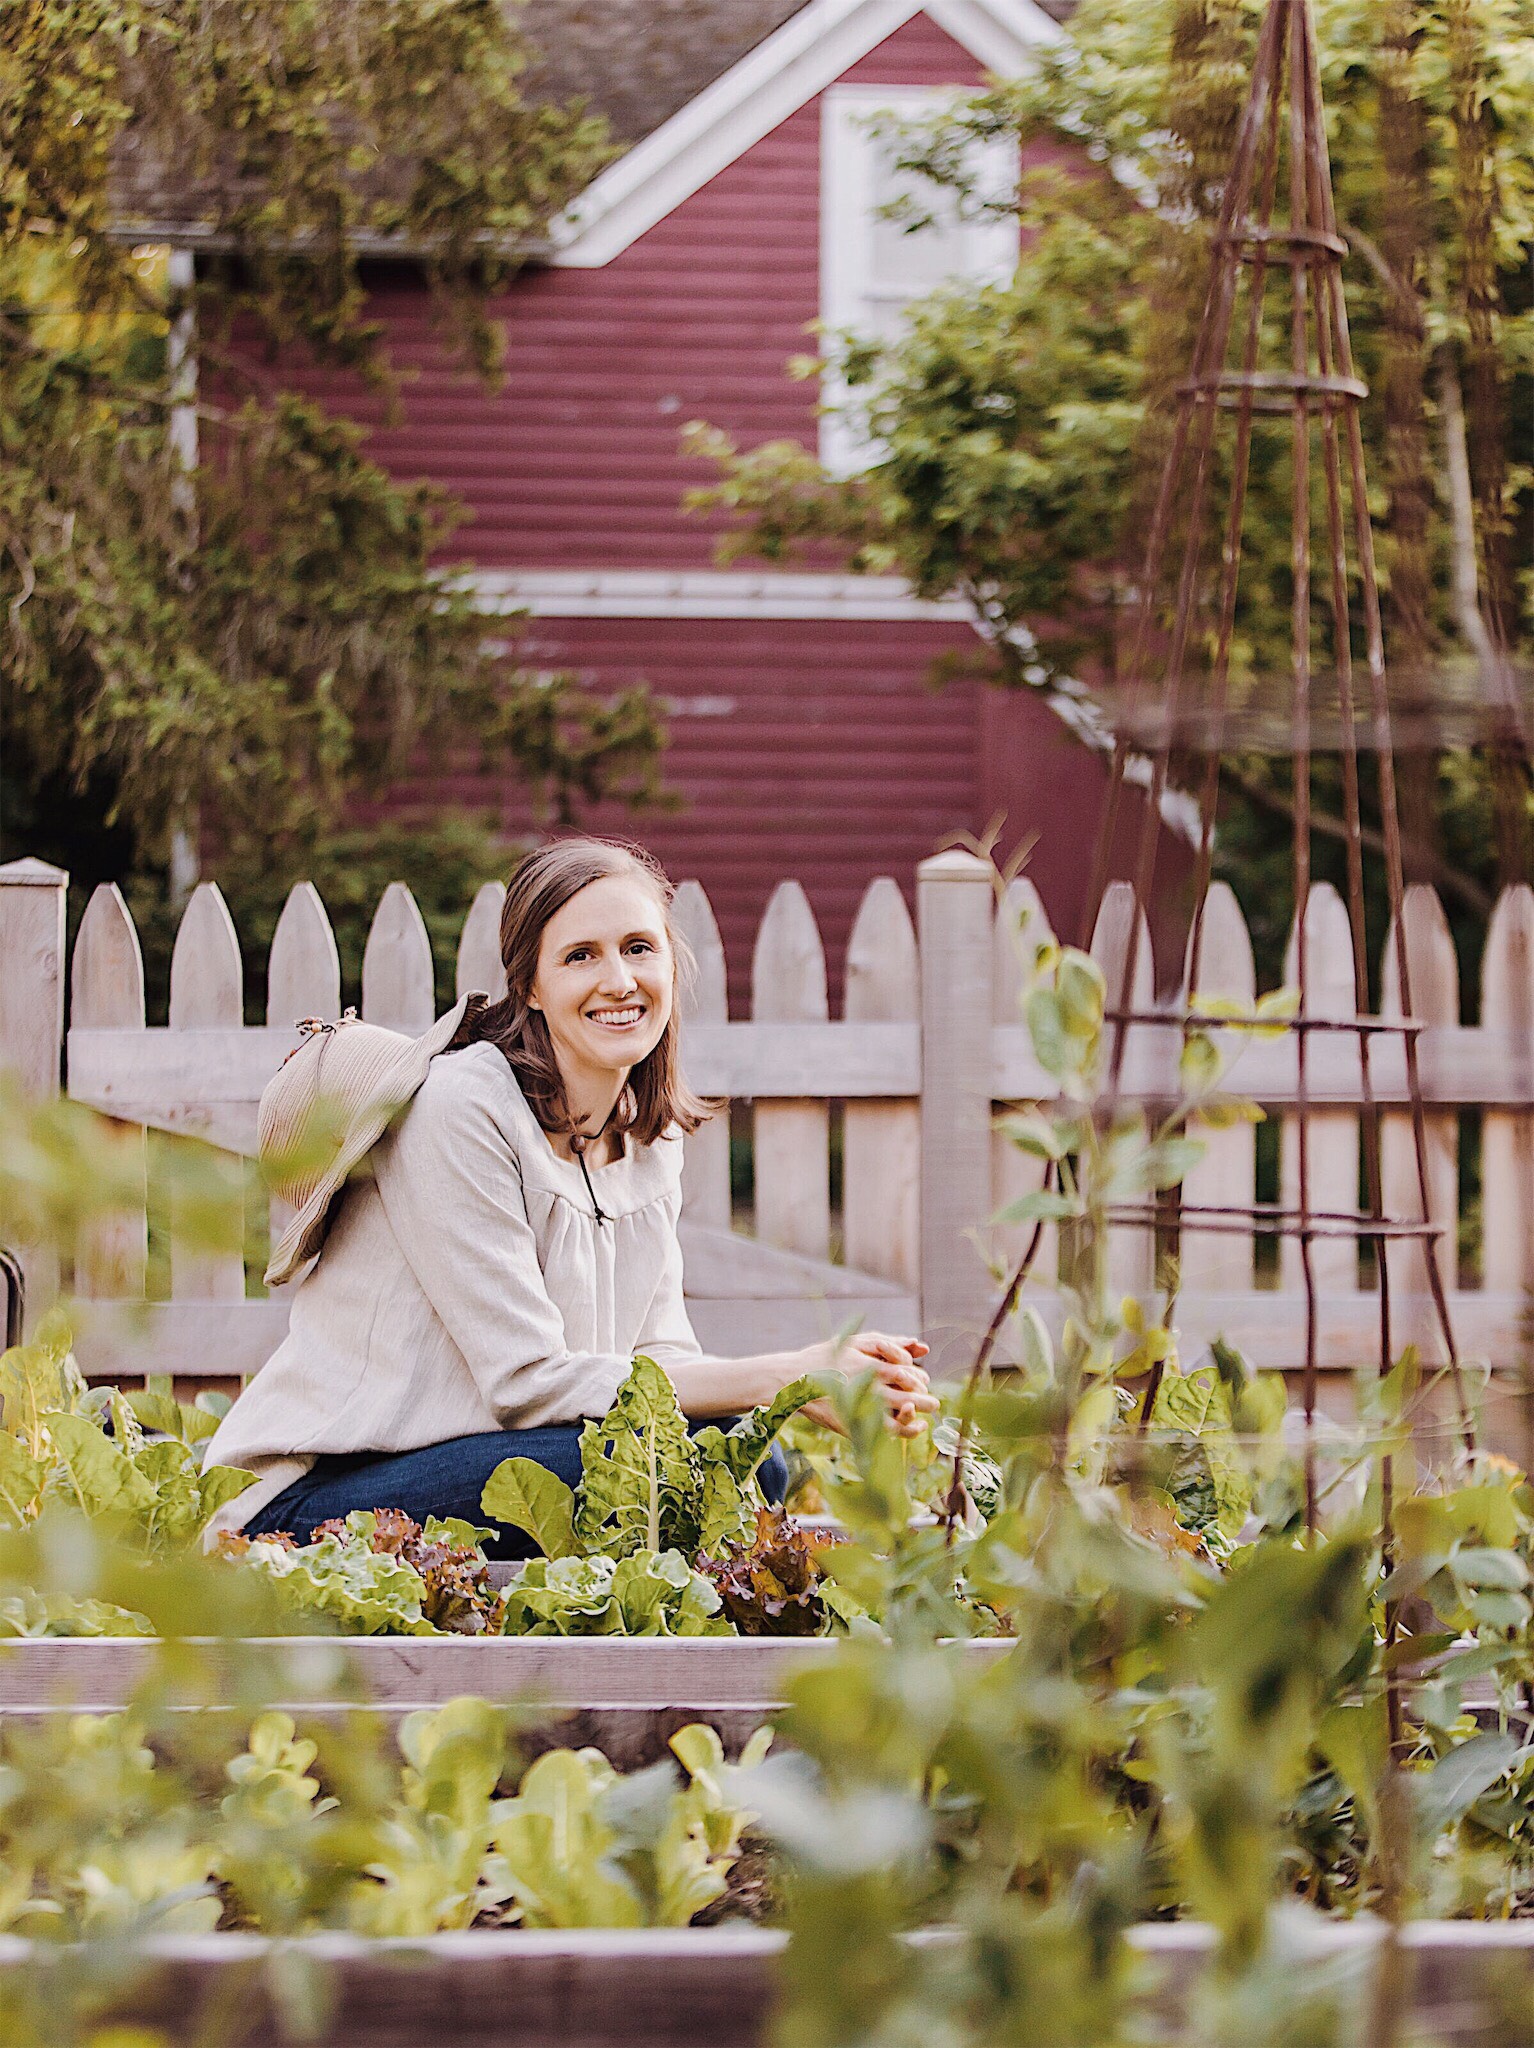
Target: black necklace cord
(578, 1145)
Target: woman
(514, 1245)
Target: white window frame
(847, 200)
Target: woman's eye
(641, 946)
(580, 953)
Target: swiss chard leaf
(529, 1497)
(641, 1478)
(102, 1479)
(41, 1379)
(742, 1448)
(21, 1481)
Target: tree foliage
(245, 644)
(1020, 428)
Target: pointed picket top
(788, 967)
(1022, 926)
(479, 945)
(107, 973)
(1430, 956)
(1330, 988)
(303, 975)
(397, 980)
(1110, 945)
(207, 979)
(882, 970)
(1507, 965)
(1225, 967)
(31, 873)
(705, 992)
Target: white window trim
(847, 113)
(702, 594)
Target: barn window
(873, 267)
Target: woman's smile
(620, 1019)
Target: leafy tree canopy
(240, 646)
(1019, 427)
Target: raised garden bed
(624, 1695)
(692, 1988)
(100, 1672)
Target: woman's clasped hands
(901, 1382)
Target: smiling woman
(512, 1245)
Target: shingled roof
(636, 61)
(640, 61)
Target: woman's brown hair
(656, 1097)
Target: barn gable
(818, 44)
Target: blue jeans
(446, 1479)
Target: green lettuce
(649, 1593)
(339, 1582)
(376, 1571)
(30, 1613)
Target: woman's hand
(899, 1379)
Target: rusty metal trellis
(1280, 142)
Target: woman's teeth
(631, 1015)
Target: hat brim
(306, 1231)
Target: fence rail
(909, 1079)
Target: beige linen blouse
(466, 1285)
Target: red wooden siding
(574, 463)
(808, 748)
(819, 750)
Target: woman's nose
(618, 978)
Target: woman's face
(604, 979)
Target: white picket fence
(928, 1049)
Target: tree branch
(1451, 880)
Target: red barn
(807, 737)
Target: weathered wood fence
(929, 1046)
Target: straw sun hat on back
(324, 1110)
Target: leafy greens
(646, 1484)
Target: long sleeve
(451, 1185)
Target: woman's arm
(727, 1386)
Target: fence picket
(1132, 1249)
(706, 1154)
(107, 993)
(1507, 1135)
(397, 979)
(1333, 1136)
(881, 1141)
(303, 979)
(479, 946)
(207, 986)
(32, 925)
(792, 1143)
(1227, 1173)
(303, 975)
(1021, 925)
(1435, 1000)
